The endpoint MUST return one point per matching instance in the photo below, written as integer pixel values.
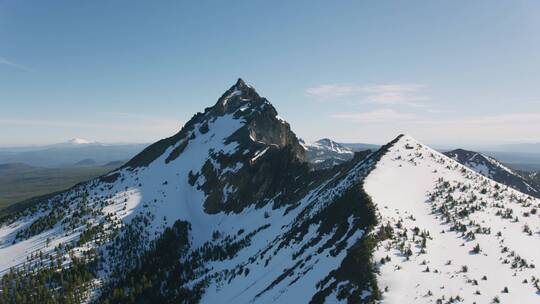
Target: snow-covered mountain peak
(450, 234)
(406, 138)
(240, 95)
(258, 114)
(74, 143)
(79, 141)
(326, 153)
(332, 145)
(256, 126)
(326, 141)
(218, 150)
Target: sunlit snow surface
(163, 190)
(400, 186)
(160, 188)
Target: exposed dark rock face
(268, 152)
(262, 125)
(276, 172)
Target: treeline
(159, 273)
(51, 283)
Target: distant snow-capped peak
(80, 141)
(73, 143)
(326, 153)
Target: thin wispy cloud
(510, 118)
(139, 124)
(408, 94)
(391, 115)
(376, 116)
(4, 61)
(143, 118)
(105, 127)
(516, 127)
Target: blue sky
(446, 72)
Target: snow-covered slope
(326, 153)
(434, 213)
(228, 211)
(224, 211)
(493, 169)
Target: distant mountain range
(322, 153)
(488, 166)
(69, 153)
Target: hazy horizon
(496, 147)
(353, 72)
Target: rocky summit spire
(240, 83)
(260, 124)
(238, 95)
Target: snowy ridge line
(446, 234)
